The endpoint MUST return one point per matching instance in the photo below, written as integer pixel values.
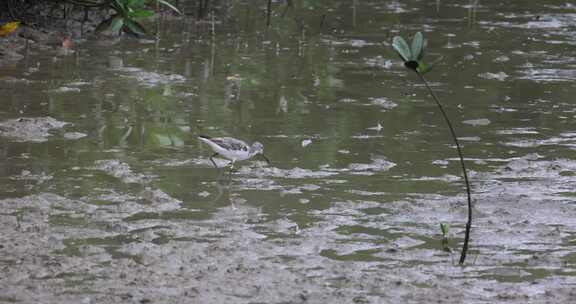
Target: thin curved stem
(463, 165)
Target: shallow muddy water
(109, 197)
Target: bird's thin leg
(231, 164)
(265, 158)
(212, 159)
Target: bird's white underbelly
(235, 154)
(230, 154)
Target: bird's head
(258, 148)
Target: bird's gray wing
(230, 143)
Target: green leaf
(168, 4)
(423, 51)
(135, 27)
(136, 3)
(141, 13)
(417, 46)
(424, 68)
(120, 7)
(116, 24)
(401, 47)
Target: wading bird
(232, 149)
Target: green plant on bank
(126, 14)
(412, 57)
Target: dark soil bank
(46, 25)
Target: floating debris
(377, 128)
(477, 122)
(500, 76)
(34, 129)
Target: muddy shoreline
(219, 261)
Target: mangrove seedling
(412, 57)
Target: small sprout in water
(444, 229)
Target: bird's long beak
(265, 158)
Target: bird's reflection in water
(223, 184)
